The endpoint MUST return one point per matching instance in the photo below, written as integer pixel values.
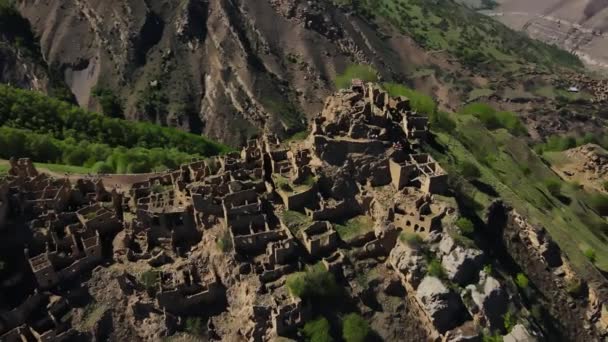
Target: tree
(315, 282)
(522, 281)
(317, 331)
(435, 269)
(110, 103)
(465, 225)
(355, 328)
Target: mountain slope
(579, 26)
(231, 68)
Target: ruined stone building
(219, 240)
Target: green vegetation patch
(494, 119)
(522, 281)
(28, 110)
(317, 330)
(479, 42)
(355, 328)
(411, 239)
(511, 170)
(295, 221)
(92, 314)
(363, 72)
(419, 102)
(314, 283)
(70, 156)
(355, 227)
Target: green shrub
(317, 331)
(355, 328)
(111, 105)
(556, 143)
(102, 167)
(522, 281)
(194, 326)
(435, 269)
(469, 170)
(150, 279)
(509, 321)
(224, 243)
(316, 282)
(365, 73)
(412, 239)
(605, 185)
(492, 338)
(465, 225)
(493, 119)
(590, 254)
(419, 102)
(487, 269)
(554, 187)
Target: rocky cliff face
(225, 68)
(567, 298)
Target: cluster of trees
(101, 158)
(354, 329)
(494, 119)
(557, 143)
(314, 283)
(32, 111)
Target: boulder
(491, 299)
(447, 244)
(461, 264)
(408, 262)
(519, 334)
(442, 306)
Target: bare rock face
(461, 264)
(409, 262)
(442, 306)
(519, 334)
(491, 300)
(228, 69)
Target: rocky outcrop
(441, 305)
(461, 264)
(519, 334)
(490, 299)
(409, 262)
(528, 245)
(225, 68)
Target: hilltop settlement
(252, 245)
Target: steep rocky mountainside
(580, 26)
(231, 68)
(225, 68)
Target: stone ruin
(218, 238)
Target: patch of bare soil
(587, 165)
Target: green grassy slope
(520, 177)
(479, 42)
